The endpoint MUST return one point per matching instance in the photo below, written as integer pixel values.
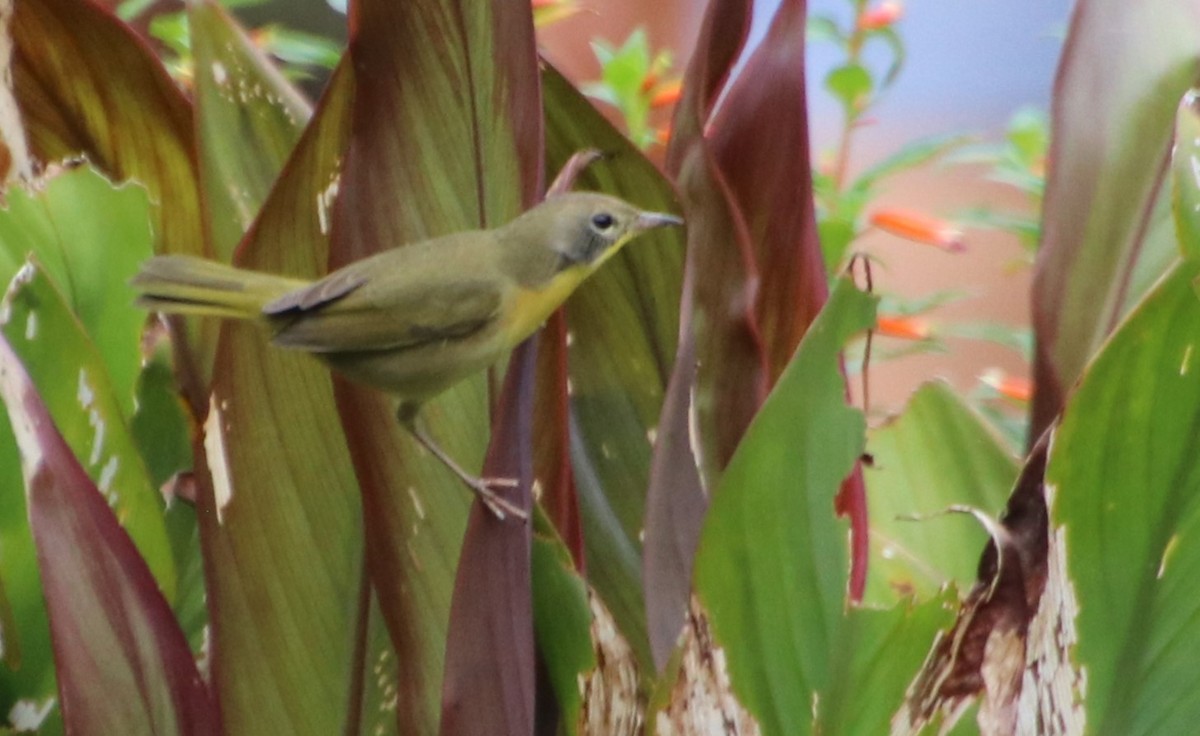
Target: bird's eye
(603, 221)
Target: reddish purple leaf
(732, 378)
(489, 683)
(123, 663)
(88, 85)
(552, 450)
(760, 140)
(718, 244)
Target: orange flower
(662, 135)
(1016, 388)
(881, 16)
(903, 327)
(667, 94)
(919, 228)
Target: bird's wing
(366, 316)
(324, 291)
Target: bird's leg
(483, 487)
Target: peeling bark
(702, 701)
(612, 703)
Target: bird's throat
(534, 306)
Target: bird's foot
(499, 506)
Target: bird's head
(594, 227)
(585, 229)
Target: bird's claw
(497, 504)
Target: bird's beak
(651, 220)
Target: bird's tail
(187, 285)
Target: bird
(416, 319)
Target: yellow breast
(532, 307)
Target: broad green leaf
(248, 119)
(123, 664)
(1126, 483)
(162, 429)
(450, 128)
(1123, 71)
(27, 665)
(623, 325)
(161, 425)
(772, 562)
(90, 238)
(877, 653)
(67, 371)
(1185, 170)
(936, 454)
(562, 622)
(281, 523)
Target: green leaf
(248, 120)
(1185, 170)
(161, 425)
(878, 651)
(172, 30)
(90, 238)
(851, 84)
(836, 235)
(1123, 466)
(123, 664)
(562, 622)
(27, 667)
(771, 568)
(938, 453)
(66, 370)
(1115, 106)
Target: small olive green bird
(417, 319)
